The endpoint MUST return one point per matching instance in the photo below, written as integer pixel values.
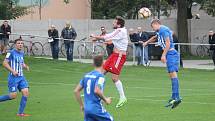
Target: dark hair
(120, 21)
(98, 61)
(155, 21)
(19, 39)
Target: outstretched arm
(151, 40)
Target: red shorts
(115, 63)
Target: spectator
(6, 31)
(69, 34)
(133, 38)
(109, 44)
(212, 47)
(54, 43)
(175, 40)
(142, 36)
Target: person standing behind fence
(69, 34)
(6, 31)
(54, 43)
(133, 38)
(142, 36)
(109, 44)
(212, 47)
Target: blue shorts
(172, 61)
(103, 116)
(17, 83)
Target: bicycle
(85, 52)
(33, 48)
(202, 50)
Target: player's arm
(77, 93)
(99, 92)
(107, 37)
(165, 50)
(26, 66)
(7, 65)
(151, 40)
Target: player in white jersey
(117, 59)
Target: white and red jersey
(119, 38)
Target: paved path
(196, 64)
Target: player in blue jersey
(169, 56)
(93, 85)
(14, 63)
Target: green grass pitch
(147, 89)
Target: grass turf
(147, 89)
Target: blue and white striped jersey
(16, 61)
(162, 34)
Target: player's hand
(108, 100)
(27, 68)
(163, 59)
(15, 73)
(82, 108)
(8, 32)
(144, 44)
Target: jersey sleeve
(112, 36)
(8, 56)
(81, 82)
(100, 82)
(166, 34)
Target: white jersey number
(88, 86)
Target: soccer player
(169, 56)
(115, 62)
(14, 63)
(93, 85)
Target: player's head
(98, 61)
(19, 44)
(119, 22)
(155, 24)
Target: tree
(126, 8)
(11, 10)
(208, 6)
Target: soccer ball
(144, 12)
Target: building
(57, 9)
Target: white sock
(120, 89)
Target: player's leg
(12, 87)
(23, 86)
(103, 116)
(172, 67)
(120, 89)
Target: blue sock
(4, 98)
(22, 104)
(175, 88)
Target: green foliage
(208, 6)
(126, 8)
(10, 10)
